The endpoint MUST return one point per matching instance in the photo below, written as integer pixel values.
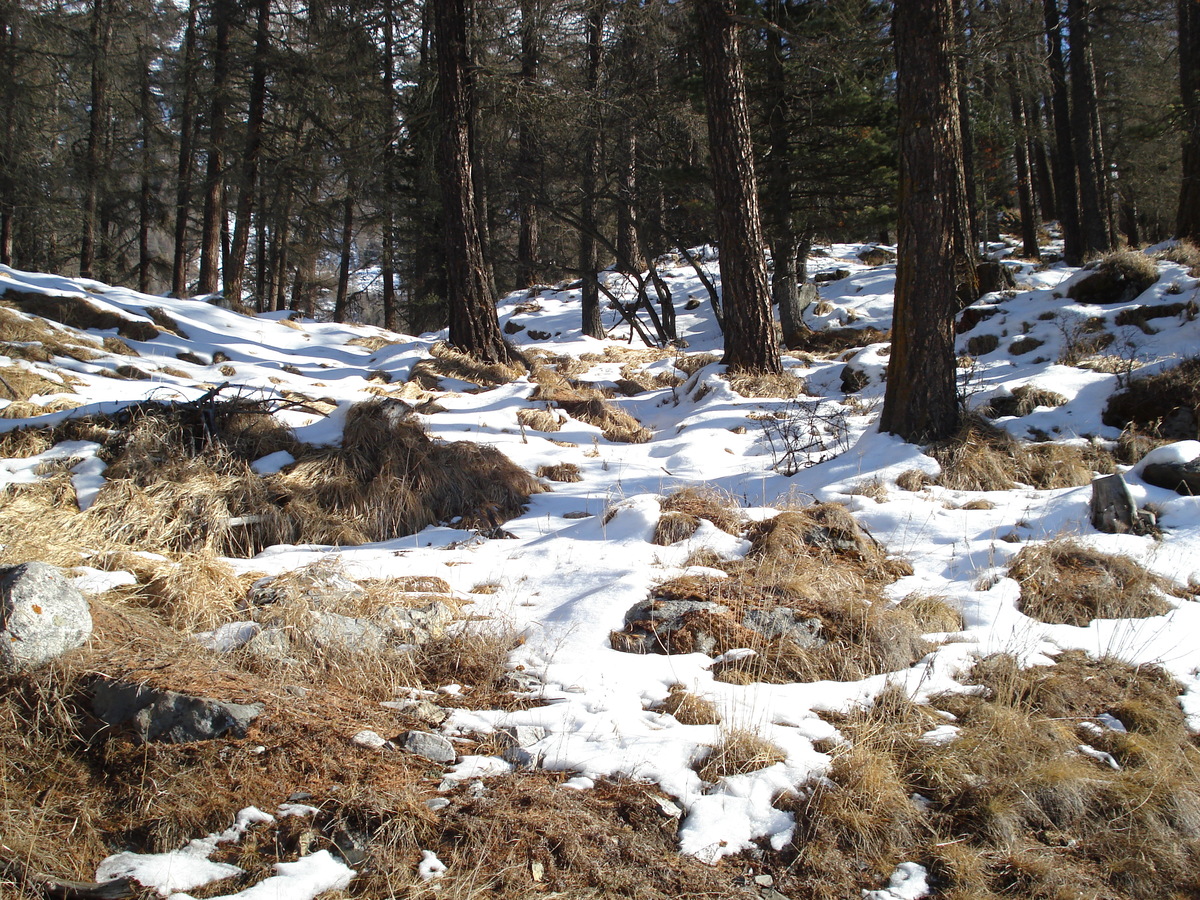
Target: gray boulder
(331, 631)
(160, 715)
(781, 622)
(427, 745)
(415, 624)
(1180, 477)
(1113, 510)
(42, 616)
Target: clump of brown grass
(1023, 345)
(983, 457)
(475, 658)
(932, 613)
(19, 383)
(589, 405)
(691, 363)
(76, 312)
(704, 502)
(562, 472)
(1064, 581)
(786, 386)
(1022, 401)
(447, 362)
(673, 527)
(739, 752)
(1186, 254)
(539, 419)
(372, 343)
(1009, 806)
(1116, 278)
(689, 708)
(913, 480)
(982, 344)
(197, 593)
(1147, 401)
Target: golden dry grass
(539, 419)
(739, 752)
(982, 457)
(561, 472)
(447, 362)
(785, 386)
(689, 708)
(1066, 582)
(76, 312)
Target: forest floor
(872, 667)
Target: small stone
(371, 740)
(427, 745)
(516, 740)
(436, 803)
(42, 616)
(764, 880)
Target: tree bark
(97, 119)
(248, 186)
(529, 163)
(474, 327)
(591, 136)
(183, 184)
(1093, 207)
(750, 344)
(214, 192)
(1029, 222)
(1188, 219)
(935, 262)
(1065, 186)
(145, 112)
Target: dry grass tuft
(447, 362)
(785, 386)
(76, 312)
(913, 480)
(180, 480)
(1146, 402)
(689, 708)
(561, 472)
(1023, 345)
(20, 384)
(539, 419)
(673, 527)
(932, 613)
(1022, 401)
(372, 343)
(197, 593)
(1065, 582)
(1009, 806)
(982, 344)
(740, 751)
(982, 457)
(590, 405)
(703, 502)
(1186, 254)
(1116, 278)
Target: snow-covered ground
(566, 582)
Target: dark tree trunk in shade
(145, 113)
(1065, 186)
(97, 122)
(591, 136)
(629, 251)
(1047, 202)
(247, 189)
(342, 297)
(750, 344)
(936, 261)
(214, 186)
(529, 163)
(183, 183)
(474, 327)
(1029, 223)
(1188, 220)
(1093, 206)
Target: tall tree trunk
(1065, 186)
(146, 112)
(629, 251)
(1029, 222)
(474, 327)
(183, 184)
(97, 121)
(8, 46)
(1093, 209)
(529, 163)
(936, 261)
(591, 136)
(248, 187)
(343, 285)
(1187, 224)
(388, 262)
(750, 344)
(785, 281)
(214, 188)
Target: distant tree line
(270, 149)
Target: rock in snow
(42, 616)
(158, 715)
